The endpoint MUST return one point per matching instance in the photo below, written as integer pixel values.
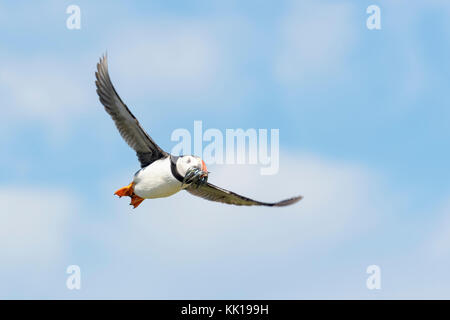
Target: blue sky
(364, 136)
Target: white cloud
(438, 244)
(166, 57)
(317, 39)
(176, 240)
(42, 90)
(33, 224)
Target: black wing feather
(129, 128)
(211, 192)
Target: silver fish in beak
(195, 176)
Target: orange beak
(204, 169)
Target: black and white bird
(162, 174)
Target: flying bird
(162, 174)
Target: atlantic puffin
(162, 174)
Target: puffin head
(193, 169)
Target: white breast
(156, 181)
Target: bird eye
(188, 160)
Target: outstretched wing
(211, 192)
(130, 129)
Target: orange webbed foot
(125, 191)
(136, 201)
(129, 192)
